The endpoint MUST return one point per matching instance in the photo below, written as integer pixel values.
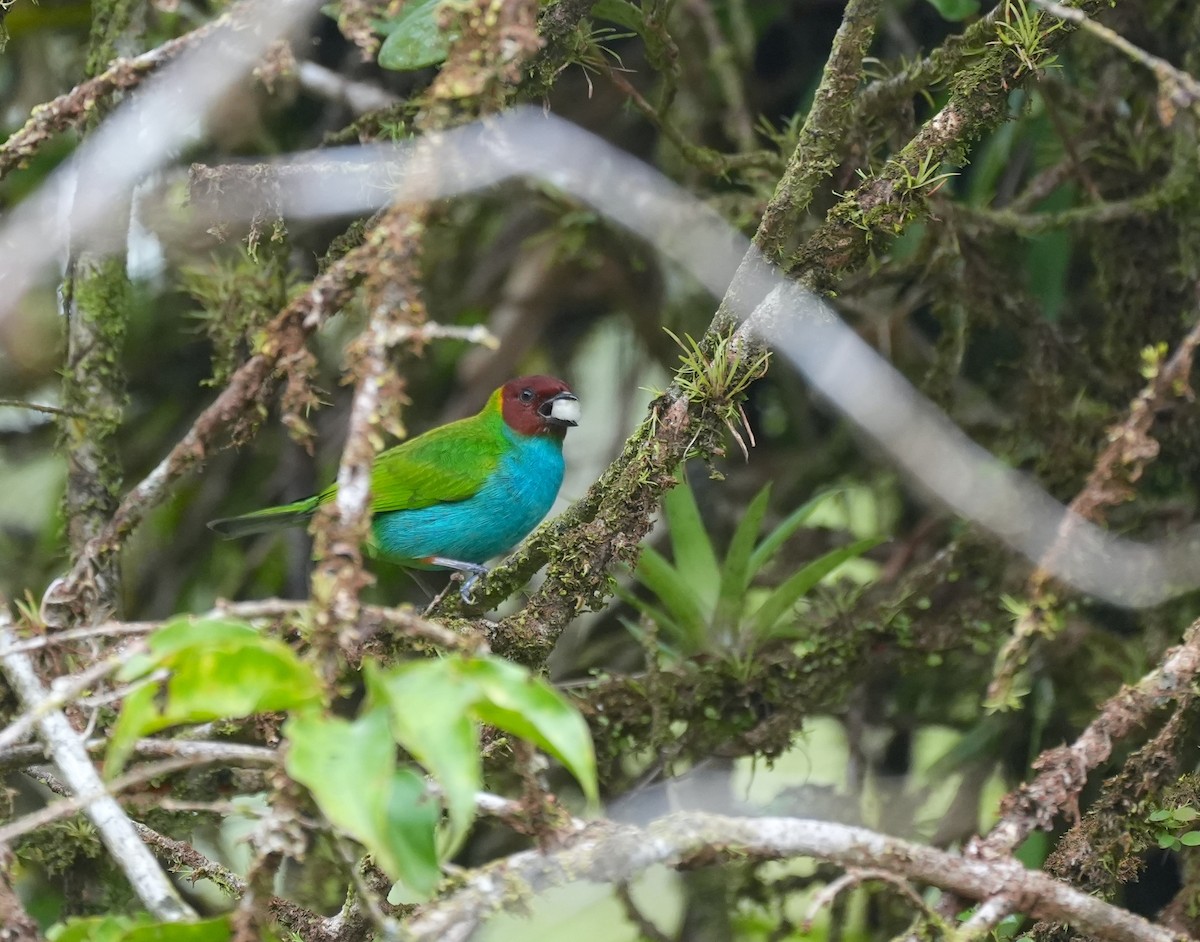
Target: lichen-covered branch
(1111, 482)
(236, 410)
(394, 307)
(884, 204)
(1063, 772)
(612, 854)
(820, 146)
(73, 108)
(66, 749)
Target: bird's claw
(464, 590)
(470, 573)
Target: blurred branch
(704, 158)
(610, 853)
(202, 751)
(1118, 467)
(18, 925)
(38, 407)
(726, 67)
(1094, 214)
(72, 109)
(66, 749)
(359, 97)
(95, 301)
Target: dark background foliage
(1030, 272)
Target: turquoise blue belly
(511, 503)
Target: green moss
(59, 845)
(238, 294)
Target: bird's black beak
(562, 409)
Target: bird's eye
(527, 395)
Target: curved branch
(612, 853)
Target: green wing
(444, 465)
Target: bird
(458, 495)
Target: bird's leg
(471, 572)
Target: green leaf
(1185, 814)
(350, 770)
(514, 700)
(736, 574)
(621, 12)
(430, 703)
(676, 594)
(662, 621)
(414, 40)
(789, 525)
(140, 929)
(1162, 814)
(781, 600)
(691, 547)
(184, 633)
(217, 670)
(1168, 840)
(1190, 839)
(955, 10)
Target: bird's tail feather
(266, 521)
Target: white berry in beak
(563, 409)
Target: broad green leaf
(413, 38)
(621, 12)
(139, 929)
(789, 525)
(676, 594)
(138, 712)
(955, 10)
(736, 574)
(430, 703)
(695, 558)
(233, 673)
(1190, 839)
(781, 600)
(350, 770)
(514, 700)
(183, 633)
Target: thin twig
(39, 407)
(988, 914)
(20, 757)
(63, 691)
(73, 108)
(638, 919)
(116, 830)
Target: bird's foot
(470, 572)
